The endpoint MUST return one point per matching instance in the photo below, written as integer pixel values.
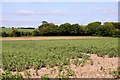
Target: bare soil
(48, 38)
(100, 68)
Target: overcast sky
(33, 13)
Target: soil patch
(48, 38)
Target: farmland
(19, 56)
(9, 30)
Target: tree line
(111, 29)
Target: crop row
(22, 55)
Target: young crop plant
(7, 75)
(45, 77)
(65, 72)
(23, 55)
(27, 74)
(116, 74)
(69, 72)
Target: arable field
(9, 30)
(75, 58)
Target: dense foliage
(67, 29)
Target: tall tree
(92, 28)
(65, 29)
(44, 24)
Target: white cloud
(104, 10)
(52, 12)
(80, 8)
(24, 12)
(108, 19)
(40, 12)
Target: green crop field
(9, 30)
(21, 55)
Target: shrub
(4, 34)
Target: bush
(16, 33)
(35, 33)
(4, 34)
